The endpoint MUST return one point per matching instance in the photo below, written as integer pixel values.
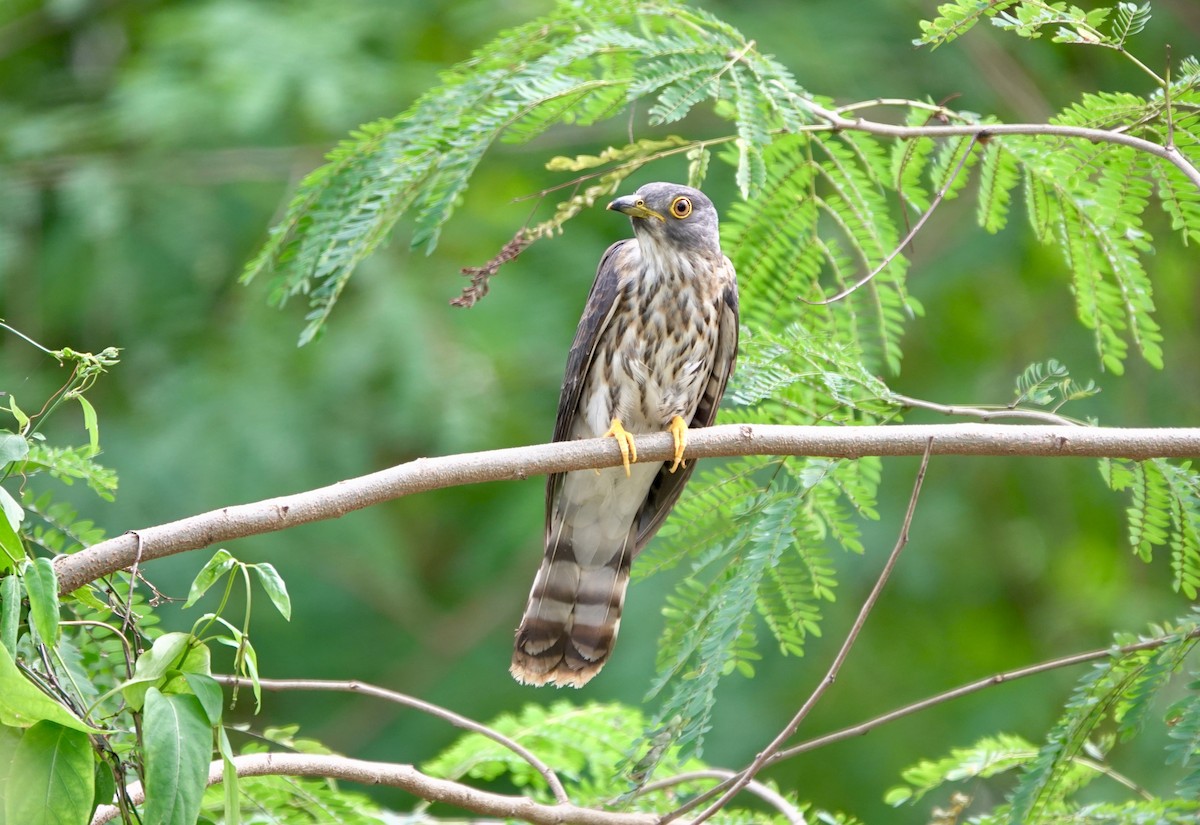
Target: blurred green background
(145, 147)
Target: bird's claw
(624, 442)
(678, 429)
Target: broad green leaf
(198, 659)
(41, 586)
(54, 767)
(90, 423)
(167, 653)
(233, 808)
(272, 582)
(178, 747)
(10, 613)
(11, 548)
(106, 786)
(22, 704)
(209, 574)
(13, 447)
(209, 693)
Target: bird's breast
(655, 356)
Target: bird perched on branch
(653, 352)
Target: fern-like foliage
(1183, 719)
(1117, 689)
(586, 746)
(579, 65)
(1112, 703)
(990, 756)
(1164, 511)
(957, 18)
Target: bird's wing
(667, 486)
(601, 303)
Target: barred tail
(571, 621)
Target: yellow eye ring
(681, 207)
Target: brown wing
(597, 312)
(667, 486)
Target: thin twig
(986, 413)
(866, 727)
(445, 714)
(912, 233)
(518, 463)
(831, 676)
(790, 812)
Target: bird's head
(673, 214)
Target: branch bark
(518, 463)
(407, 777)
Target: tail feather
(571, 620)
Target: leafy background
(146, 147)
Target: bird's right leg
(624, 442)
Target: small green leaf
(54, 766)
(106, 786)
(41, 585)
(178, 746)
(209, 574)
(13, 447)
(152, 666)
(22, 704)
(90, 423)
(11, 548)
(233, 808)
(898, 796)
(272, 582)
(10, 613)
(209, 693)
(18, 413)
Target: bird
(653, 351)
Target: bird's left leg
(678, 428)
(624, 442)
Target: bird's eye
(681, 207)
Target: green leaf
(106, 785)
(22, 704)
(41, 586)
(209, 693)
(209, 574)
(11, 548)
(54, 766)
(152, 666)
(90, 423)
(10, 613)
(178, 747)
(13, 447)
(233, 808)
(272, 582)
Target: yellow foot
(678, 428)
(624, 442)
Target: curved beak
(634, 207)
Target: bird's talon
(624, 443)
(678, 429)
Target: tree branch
(408, 778)
(1169, 153)
(446, 715)
(518, 463)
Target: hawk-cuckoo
(653, 352)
